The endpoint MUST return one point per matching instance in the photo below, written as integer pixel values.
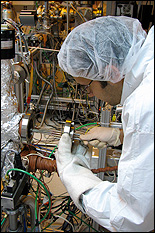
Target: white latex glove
(101, 136)
(74, 169)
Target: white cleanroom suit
(128, 205)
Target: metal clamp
(69, 128)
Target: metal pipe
(13, 223)
(67, 17)
(53, 50)
(46, 7)
(30, 201)
(105, 120)
(63, 99)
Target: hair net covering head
(102, 49)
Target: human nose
(89, 92)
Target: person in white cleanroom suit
(117, 54)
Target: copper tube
(38, 162)
(105, 169)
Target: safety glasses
(85, 87)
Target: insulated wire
(82, 220)
(83, 19)
(75, 215)
(66, 221)
(59, 214)
(74, 104)
(19, 170)
(36, 203)
(3, 221)
(42, 90)
(93, 123)
(42, 147)
(45, 110)
(90, 128)
(55, 87)
(51, 222)
(71, 85)
(30, 84)
(53, 151)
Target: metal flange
(26, 128)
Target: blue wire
(42, 147)
(24, 223)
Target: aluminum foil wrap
(10, 118)
(7, 157)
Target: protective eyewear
(84, 89)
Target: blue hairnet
(102, 49)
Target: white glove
(101, 136)
(74, 169)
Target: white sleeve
(97, 203)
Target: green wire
(35, 193)
(38, 188)
(72, 214)
(82, 220)
(36, 4)
(36, 203)
(59, 215)
(19, 170)
(77, 216)
(51, 222)
(53, 151)
(94, 123)
(3, 221)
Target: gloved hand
(101, 136)
(66, 153)
(74, 169)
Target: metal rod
(53, 50)
(63, 99)
(67, 17)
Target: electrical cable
(53, 65)
(45, 110)
(3, 221)
(83, 19)
(36, 217)
(30, 84)
(42, 147)
(66, 221)
(91, 128)
(41, 93)
(74, 105)
(82, 221)
(19, 170)
(94, 123)
(53, 151)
